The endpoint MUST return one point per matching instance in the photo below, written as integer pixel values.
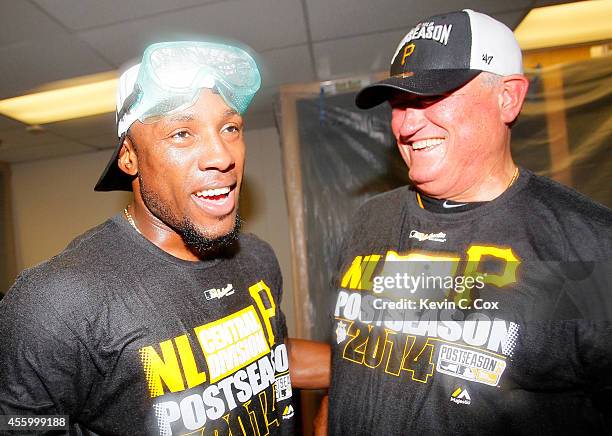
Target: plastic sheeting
(7, 252)
(586, 99)
(347, 155)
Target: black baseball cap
(444, 52)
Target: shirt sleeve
(44, 367)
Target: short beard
(196, 241)
(203, 246)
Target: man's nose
(215, 154)
(411, 121)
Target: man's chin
(427, 183)
(203, 242)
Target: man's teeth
(213, 192)
(426, 143)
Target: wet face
(450, 142)
(190, 168)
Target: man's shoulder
(566, 202)
(394, 196)
(255, 250)
(256, 258)
(70, 271)
(252, 244)
(580, 225)
(85, 252)
(382, 207)
(376, 222)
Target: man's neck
(484, 187)
(157, 232)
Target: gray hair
(490, 80)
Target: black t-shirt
(127, 339)
(511, 335)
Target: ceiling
(297, 40)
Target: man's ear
(512, 96)
(128, 161)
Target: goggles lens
(172, 74)
(183, 66)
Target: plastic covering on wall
(7, 250)
(348, 155)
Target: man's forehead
(207, 106)
(192, 117)
(191, 114)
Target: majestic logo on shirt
(219, 293)
(437, 237)
(461, 396)
(288, 412)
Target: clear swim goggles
(172, 74)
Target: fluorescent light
(76, 98)
(565, 24)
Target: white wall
(263, 205)
(54, 201)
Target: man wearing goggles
(164, 319)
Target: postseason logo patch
(283, 387)
(470, 365)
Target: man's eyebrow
(230, 113)
(180, 118)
